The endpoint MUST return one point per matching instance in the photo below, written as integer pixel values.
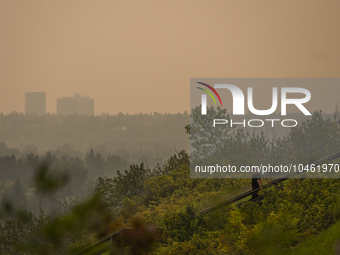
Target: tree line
(166, 196)
(152, 136)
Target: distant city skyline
(35, 103)
(75, 105)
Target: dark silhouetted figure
(256, 183)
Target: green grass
(323, 244)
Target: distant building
(75, 105)
(35, 102)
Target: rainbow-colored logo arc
(209, 93)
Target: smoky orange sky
(139, 56)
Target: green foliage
(127, 185)
(286, 218)
(187, 129)
(169, 198)
(130, 184)
(137, 241)
(15, 233)
(176, 161)
(325, 243)
(310, 140)
(225, 145)
(48, 182)
(197, 245)
(142, 184)
(61, 232)
(209, 141)
(180, 226)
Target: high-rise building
(75, 105)
(35, 102)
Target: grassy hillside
(325, 243)
(288, 220)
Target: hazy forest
(152, 137)
(68, 182)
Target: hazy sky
(139, 56)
